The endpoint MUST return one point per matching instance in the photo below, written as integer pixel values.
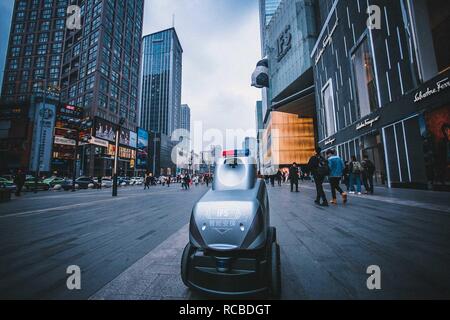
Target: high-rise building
(6, 11)
(35, 48)
(267, 9)
(161, 82)
(185, 114)
(101, 63)
(288, 106)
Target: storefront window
(364, 79)
(328, 108)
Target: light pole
(116, 157)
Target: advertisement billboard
(124, 137)
(105, 130)
(133, 139)
(142, 149)
(44, 124)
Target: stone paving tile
(325, 251)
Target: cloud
(220, 39)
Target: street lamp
(116, 157)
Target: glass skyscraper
(185, 117)
(161, 82)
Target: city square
(224, 149)
(127, 253)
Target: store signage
(284, 43)
(439, 86)
(330, 141)
(367, 123)
(326, 42)
(98, 142)
(64, 141)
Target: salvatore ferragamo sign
(367, 123)
(439, 86)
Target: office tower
(35, 48)
(101, 63)
(6, 11)
(267, 9)
(185, 115)
(161, 82)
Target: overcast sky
(220, 39)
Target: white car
(137, 181)
(107, 183)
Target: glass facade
(288, 139)
(364, 80)
(161, 82)
(185, 114)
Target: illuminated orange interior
(288, 139)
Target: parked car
(84, 182)
(53, 181)
(107, 183)
(137, 181)
(67, 185)
(7, 184)
(8, 177)
(121, 180)
(31, 185)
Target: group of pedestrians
(352, 173)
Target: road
(130, 247)
(41, 235)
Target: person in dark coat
(279, 177)
(318, 167)
(19, 181)
(293, 177)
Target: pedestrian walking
(19, 181)
(147, 182)
(367, 174)
(336, 167)
(279, 177)
(318, 166)
(169, 180)
(355, 175)
(346, 175)
(272, 180)
(293, 177)
(99, 181)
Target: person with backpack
(336, 166)
(318, 166)
(355, 175)
(367, 174)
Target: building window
(364, 79)
(328, 114)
